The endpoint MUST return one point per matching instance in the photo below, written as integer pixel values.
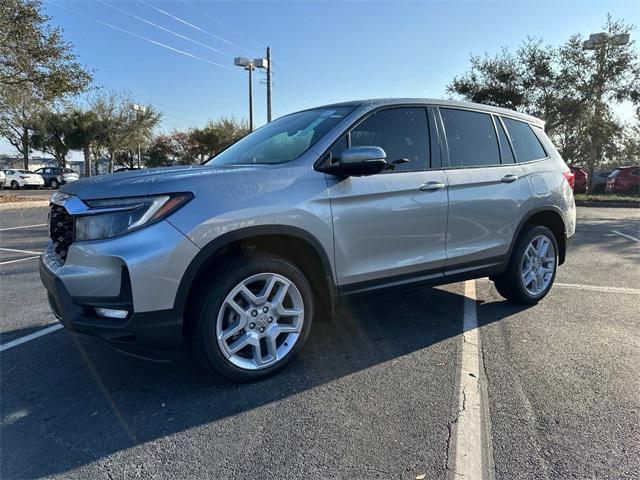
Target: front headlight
(117, 216)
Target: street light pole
(139, 108)
(250, 65)
(597, 43)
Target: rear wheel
(252, 318)
(532, 267)
(54, 184)
(15, 185)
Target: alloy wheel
(538, 265)
(260, 321)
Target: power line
(141, 37)
(304, 90)
(206, 14)
(191, 25)
(179, 35)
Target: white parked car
(16, 179)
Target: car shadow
(69, 400)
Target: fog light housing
(112, 313)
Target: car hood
(151, 181)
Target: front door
(391, 226)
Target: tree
(37, 68)
(216, 136)
(33, 55)
(122, 128)
(50, 134)
(196, 145)
(18, 115)
(570, 87)
(84, 134)
(161, 153)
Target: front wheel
(54, 184)
(251, 318)
(532, 267)
(15, 185)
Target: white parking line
(598, 288)
(24, 226)
(18, 260)
(473, 458)
(31, 336)
(15, 250)
(626, 236)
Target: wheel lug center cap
(262, 320)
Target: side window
(401, 132)
(635, 173)
(525, 143)
(505, 149)
(471, 138)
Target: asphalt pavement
(375, 393)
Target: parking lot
(379, 392)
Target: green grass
(582, 197)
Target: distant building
(13, 162)
(101, 166)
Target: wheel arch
(550, 217)
(297, 245)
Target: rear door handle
(509, 178)
(432, 186)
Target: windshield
(282, 140)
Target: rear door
(487, 190)
(391, 226)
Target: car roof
(382, 102)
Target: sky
(323, 52)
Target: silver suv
(240, 255)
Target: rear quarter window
(526, 145)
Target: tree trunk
(25, 147)
(111, 155)
(87, 161)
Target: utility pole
(268, 84)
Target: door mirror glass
(359, 161)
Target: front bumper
(155, 335)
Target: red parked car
(624, 180)
(580, 179)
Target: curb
(609, 204)
(21, 205)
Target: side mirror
(358, 161)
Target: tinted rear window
(525, 143)
(471, 138)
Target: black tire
(209, 298)
(15, 185)
(54, 184)
(509, 284)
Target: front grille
(60, 230)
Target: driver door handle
(509, 178)
(432, 186)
